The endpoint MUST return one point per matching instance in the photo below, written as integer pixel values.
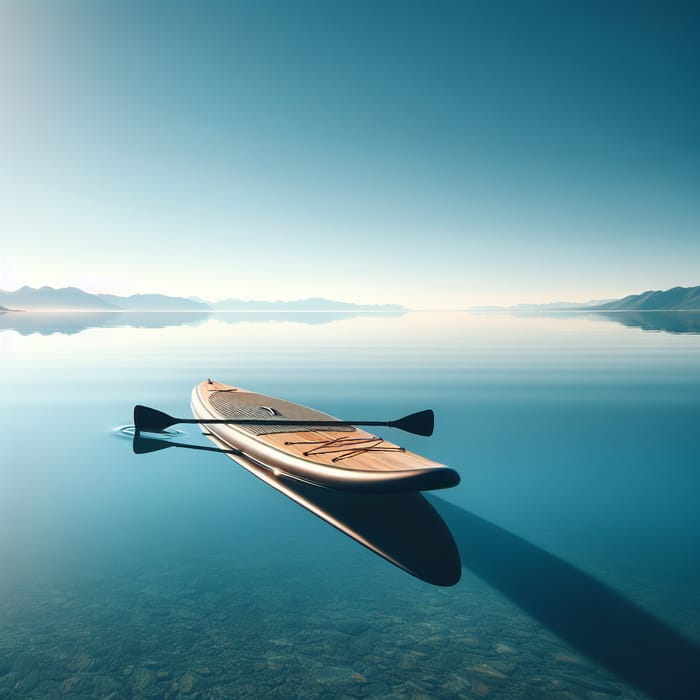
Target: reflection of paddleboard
(342, 456)
(403, 528)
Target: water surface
(177, 574)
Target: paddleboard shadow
(594, 619)
(403, 528)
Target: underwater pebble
(488, 671)
(480, 690)
(31, 681)
(374, 689)
(592, 684)
(564, 695)
(106, 685)
(187, 683)
(141, 678)
(352, 627)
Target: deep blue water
(178, 574)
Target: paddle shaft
(150, 419)
(203, 448)
(143, 445)
(256, 421)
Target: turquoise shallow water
(179, 575)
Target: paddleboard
(341, 456)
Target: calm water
(178, 574)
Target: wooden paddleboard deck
(341, 457)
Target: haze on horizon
(431, 154)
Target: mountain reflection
(47, 323)
(666, 321)
(656, 321)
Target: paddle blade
(149, 420)
(421, 423)
(142, 445)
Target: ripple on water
(129, 431)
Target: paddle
(143, 445)
(151, 420)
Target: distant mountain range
(48, 299)
(74, 299)
(311, 304)
(676, 299)
(551, 306)
(153, 302)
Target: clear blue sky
(437, 154)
